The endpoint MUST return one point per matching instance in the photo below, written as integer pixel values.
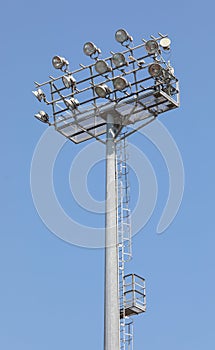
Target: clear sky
(51, 292)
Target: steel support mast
(111, 309)
(100, 101)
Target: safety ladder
(124, 238)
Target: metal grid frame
(139, 104)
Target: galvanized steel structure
(109, 100)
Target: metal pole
(111, 317)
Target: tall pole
(111, 317)
(82, 124)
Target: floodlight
(102, 90)
(90, 49)
(118, 59)
(59, 62)
(68, 81)
(102, 67)
(39, 94)
(122, 36)
(42, 116)
(151, 46)
(120, 83)
(155, 70)
(72, 103)
(165, 43)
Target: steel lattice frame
(138, 104)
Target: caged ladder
(132, 298)
(124, 238)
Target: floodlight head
(68, 81)
(165, 43)
(151, 46)
(72, 103)
(122, 36)
(155, 70)
(118, 59)
(59, 62)
(102, 67)
(42, 116)
(120, 83)
(90, 49)
(102, 90)
(39, 94)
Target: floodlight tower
(100, 100)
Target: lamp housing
(165, 43)
(102, 90)
(39, 94)
(42, 116)
(59, 62)
(118, 59)
(120, 83)
(102, 67)
(151, 46)
(155, 70)
(91, 49)
(72, 103)
(122, 36)
(68, 81)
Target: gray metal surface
(111, 329)
(78, 113)
(84, 125)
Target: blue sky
(51, 291)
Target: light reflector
(151, 46)
(122, 36)
(102, 67)
(39, 94)
(102, 90)
(118, 59)
(120, 83)
(90, 49)
(59, 62)
(42, 116)
(155, 70)
(68, 81)
(72, 103)
(165, 43)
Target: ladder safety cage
(126, 334)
